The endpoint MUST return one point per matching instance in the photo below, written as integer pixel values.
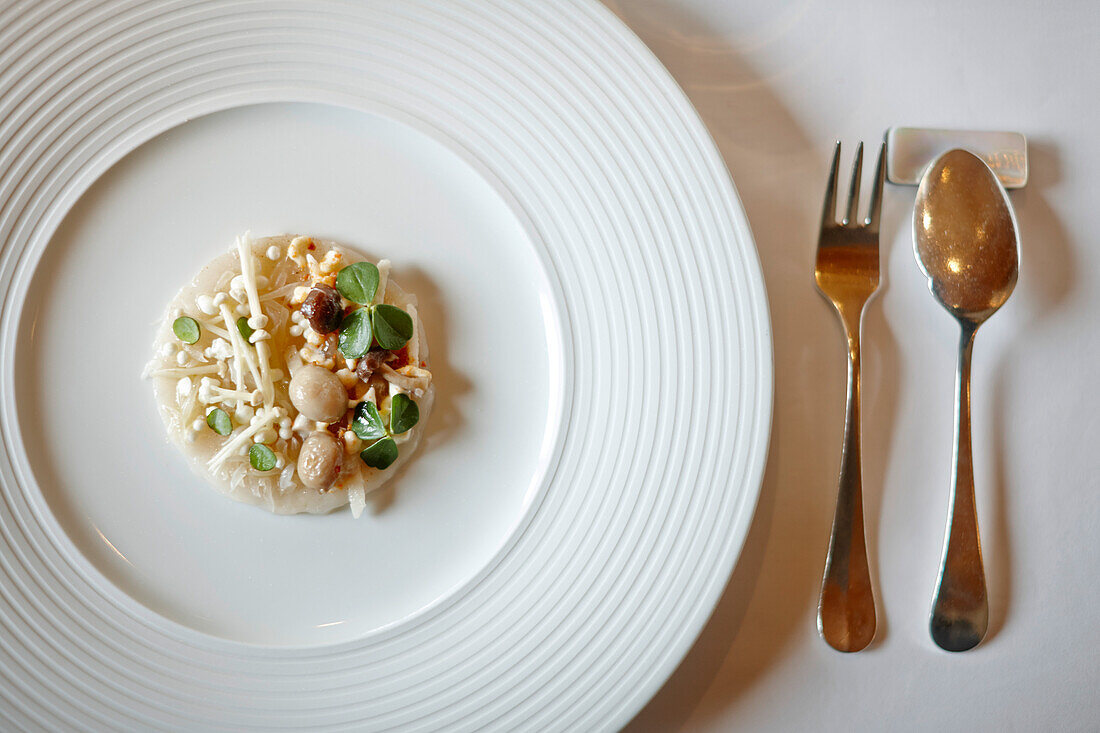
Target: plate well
(125, 497)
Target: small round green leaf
(261, 457)
(380, 455)
(244, 328)
(393, 327)
(356, 334)
(404, 413)
(367, 423)
(219, 421)
(186, 329)
(358, 283)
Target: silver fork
(847, 274)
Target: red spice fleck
(399, 358)
(423, 365)
(338, 483)
(311, 246)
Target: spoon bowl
(964, 234)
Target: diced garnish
(244, 328)
(367, 423)
(392, 326)
(356, 334)
(358, 283)
(404, 414)
(261, 458)
(186, 329)
(219, 421)
(380, 455)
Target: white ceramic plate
(599, 335)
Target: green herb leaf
(186, 329)
(219, 421)
(358, 283)
(380, 455)
(356, 334)
(244, 328)
(261, 457)
(404, 413)
(367, 423)
(392, 326)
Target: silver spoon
(966, 244)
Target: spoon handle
(846, 611)
(960, 613)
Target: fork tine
(828, 215)
(876, 191)
(853, 189)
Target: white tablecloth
(776, 83)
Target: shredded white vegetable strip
(414, 342)
(280, 293)
(240, 352)
(188, 404)
(357, 497)
(383, 280)
(263, 352)
(215, 330)
(419, 380)
(234, 443)
(185, 371)
(230, 395)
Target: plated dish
(293, 375)
(574, 240)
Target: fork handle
(846, 611)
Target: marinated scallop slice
(284, 372)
